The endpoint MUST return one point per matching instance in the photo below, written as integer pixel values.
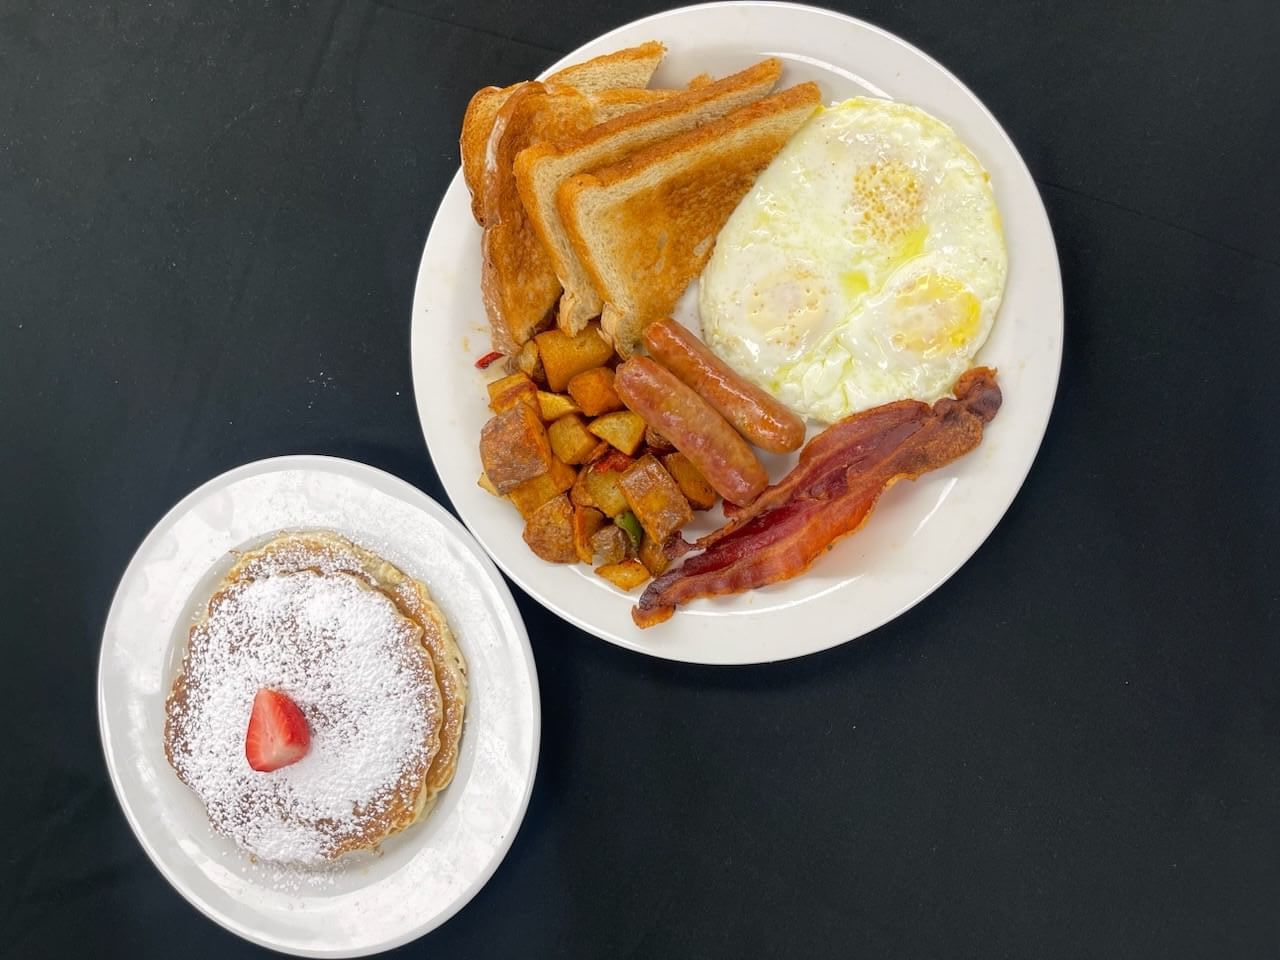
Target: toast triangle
(542, 169)
(631, 67)
(645, 227)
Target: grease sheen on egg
(865, 266)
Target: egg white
(866, 265)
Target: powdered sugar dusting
(291, 555)
(342, 652)
(364, 901)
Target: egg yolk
(891, 201)
(787, 308)
(934, 315)
(888, 207)
(854, 283)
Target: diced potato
(508, 391)
(485, 484)
(609, 543)
(553, 406)
(656, 441)
(549, 531)
(623, 429)
(503, 384)
(602, 449)
(593, 391)
(689, 478)
(654, 498)
(627, 575)
(606, 491)
(564, 356)
(532, 494)
(651, 555)
(586, 521)
(571, 441)
(600, 489)
(529, 363)
(579, 494)
(514, 447)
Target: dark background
(211, 216)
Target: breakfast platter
(380, 773)
(696, 243)
(725, 350)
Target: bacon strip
(831, 491)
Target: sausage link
(760, 418)
(693, 427)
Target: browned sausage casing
(759, 417)
(693, 427)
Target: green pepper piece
(630, 526)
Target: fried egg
(866, 265)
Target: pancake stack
(369, 659)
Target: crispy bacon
(829, 494)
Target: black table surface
(211, 217)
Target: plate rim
(1040, 213)
(420, 500)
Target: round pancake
(358, 670)
(329, 552)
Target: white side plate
(921, 532)
(421, 877)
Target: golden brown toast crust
(645, 226)
(518, 281)
(540, 169)
(610, 104)
(631, 67)
(477, 127)
(477, 124)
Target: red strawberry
(278, 734)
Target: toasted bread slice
(477, 124)
(626, 68)
(607, 105)
(610, 104)
(517, 279)
(541, 170)
(645, 227)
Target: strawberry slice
(278, 734)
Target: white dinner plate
(921, 532)
(420, 877)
